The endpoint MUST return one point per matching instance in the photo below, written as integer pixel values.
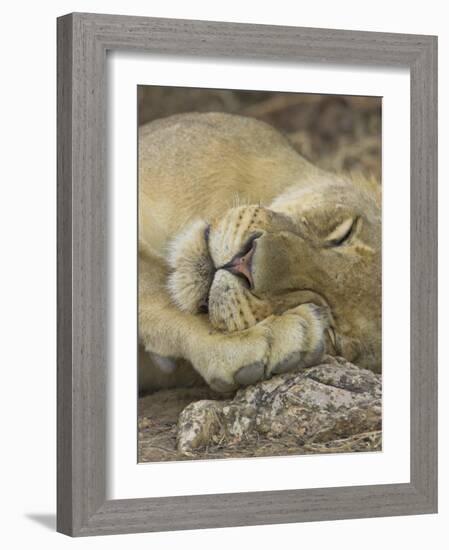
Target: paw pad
(221, 386)
(250, 374)
(293, 361)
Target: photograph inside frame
(260, 276)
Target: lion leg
(167, 332)
(226, 360)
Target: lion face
(256, 261)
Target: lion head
(318, 243)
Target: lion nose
(240, 265)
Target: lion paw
(277, 345)
(298, 339)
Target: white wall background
(27, 272)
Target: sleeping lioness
(252, 261)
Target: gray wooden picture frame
(83, 41)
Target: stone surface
(332, 407)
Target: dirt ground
(157, 425)
(338, 133)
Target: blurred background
(338, 133)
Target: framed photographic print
(246, 274)
(255, 243)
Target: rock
(332, 407)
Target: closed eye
(249, 243)
(342, 233)
(206, 240)
(207, 234)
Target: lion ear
(342, 233)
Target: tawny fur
(208, 184)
